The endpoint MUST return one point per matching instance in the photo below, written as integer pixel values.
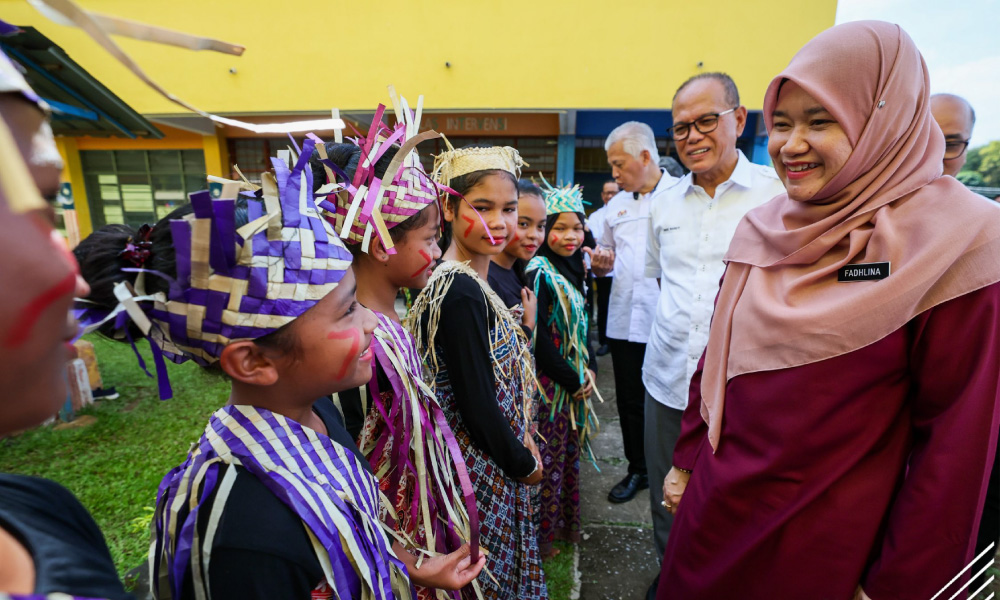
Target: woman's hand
(859, 594)
(445, 571)
(535, 477)
(530, 304)
(674, 485)
(588, 386)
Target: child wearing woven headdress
(480, 366)
(506, 275)
(274, 501)
(399, 426)
(50, 546)
(565, 365)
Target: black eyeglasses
(705, 124)
(955, 148)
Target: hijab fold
(780, 304)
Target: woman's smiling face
(807, 145)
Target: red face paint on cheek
(471, 222)
(515, 239)
(553, 239)
(352, 354)
(426, 266)
(33, 311)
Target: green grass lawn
(559, 572)
(114, 466)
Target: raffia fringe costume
(507, 530)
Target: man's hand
(602, 260)
(674, 485)
(445, 571)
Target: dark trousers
(630, 394)
(603, 285)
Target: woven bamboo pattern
(366, 204)
(235, 284)
(567, 198)
(454, 163)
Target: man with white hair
(634, 161)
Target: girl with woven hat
(480, 366)
(273, 500)
(399, 426)
(566, 366)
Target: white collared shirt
(633, 295)
(597, 224)
(689, 233)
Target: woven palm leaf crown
(366, 204)
(454, 163)
(235, 283)
(562, 199)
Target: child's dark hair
(526, 186)
(102, 263)
(348, 157)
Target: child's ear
(377, 251)
(246, 362)
(449, 212)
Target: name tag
(863, 272)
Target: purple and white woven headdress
(234, 283)
(366, 204)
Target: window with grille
(140, 186)
(253, 155)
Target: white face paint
(35, 140)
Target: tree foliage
(971, 178)
(984, 161)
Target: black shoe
(108, 393)
(627, 488)
(651, 592)
(603, 350)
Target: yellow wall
(309, 55)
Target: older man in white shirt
(595, 222)
(634, 161)
(689, 233)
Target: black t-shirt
(261, 548)
(506, 284)
(67, 547)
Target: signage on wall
(495, 124)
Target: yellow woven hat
(454, 163)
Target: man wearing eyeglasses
(955, 117)
(689, 232)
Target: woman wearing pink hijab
(849, 392)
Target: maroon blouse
(867, 468)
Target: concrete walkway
(617, 558)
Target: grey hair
(635, 138)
